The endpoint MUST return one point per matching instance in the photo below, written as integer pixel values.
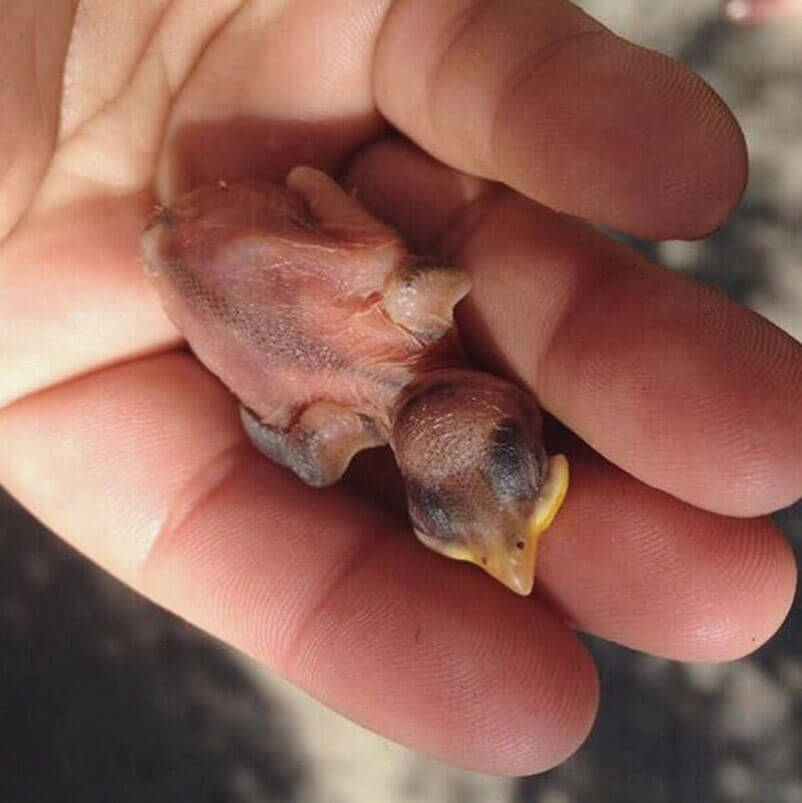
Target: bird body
(335, 338)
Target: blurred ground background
(103, 697)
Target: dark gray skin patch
(293, 449)
(161, 216)
(369, 424)
(509, 467)
(432, 511)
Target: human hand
(753, 12)
(686, 408)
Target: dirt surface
(105, 697)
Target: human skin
(754, 12)
(682, 410)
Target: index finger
(543, 98)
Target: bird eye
(511, 466)
(432, 511)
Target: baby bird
(335, 338)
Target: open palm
(685, 409)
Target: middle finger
(673, 382)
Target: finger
(245, 551)
(543, 98)
(32, 56)
(755, 12)
(73, 295)
(670, 380)
(634, 565)
(319, 585)
(638, 567)
(284, 84)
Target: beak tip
(515, 574)
(521, 587)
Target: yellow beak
(514, 566)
